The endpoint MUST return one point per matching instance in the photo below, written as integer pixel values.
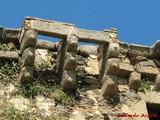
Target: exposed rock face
(134, 80)
(20, 103)
(45, 105)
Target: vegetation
(45, 82)
(8, 71)
(81, 75)
(4, 47)
(145, 85)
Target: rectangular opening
(52, 39)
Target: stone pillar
(157, 82)
(1, 34)
(68, 80)
(109, 69)
(102, 58)
(27, 55)
(60, 57)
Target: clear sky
(137, 21)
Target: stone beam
(92, 36)
(50, 28)
(139, 50)
(62, 30)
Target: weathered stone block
(85, 50)
(28, 57)
(140, 109)
(134, 81)
(150, 97)
(149, 72)
(112, 66)
(26, 74)
(92, 36)
(147, 63)
(9, 55)
(29, 40)
(124, 48)
(125, 60)
(109, 87)
(68, 80)
(11, 35)
(113, 50)
(138, 50)
(157, 62)
(50, 28)
(70, 63)
(72, 43)
(156, 49)
(125, 70)
(157, 82)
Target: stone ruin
(119, 63)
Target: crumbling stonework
(112, 68)
(122, 60)
(27, 54)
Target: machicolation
(119, 63)
(117, 60)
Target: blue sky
(137, 21)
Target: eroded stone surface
(134, 80)
(109, 87)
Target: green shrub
(8, 71)
(145, 85)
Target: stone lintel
(11, 35)
(92, 36)
(51, 28)
(62, 30)
(139, 50)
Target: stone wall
(129, 64)
(106, 66)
